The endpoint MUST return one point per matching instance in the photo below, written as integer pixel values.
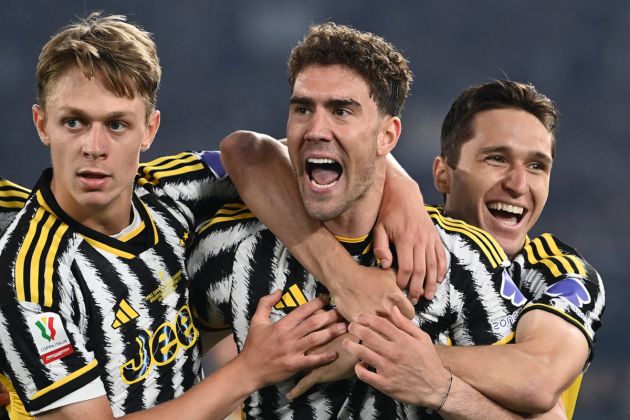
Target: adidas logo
(291, 299)
(124, 314)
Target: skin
(95, 139)
(332, 116)
(95, 147)
(508, 160)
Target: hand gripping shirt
(236, 260)
(84, 315)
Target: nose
(94, 142)
(515, 180)
(319, 127)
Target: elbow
(237, 147)
(539, 397)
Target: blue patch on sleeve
(572, 290)
(213, 160)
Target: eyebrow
(503, 149)
(81, 114)
(329, 103)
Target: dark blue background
(224, 69)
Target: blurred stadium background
(224, 69)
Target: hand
(370, 290)
(275, 351)
(403, 221)
(342, 368)
(407, 366)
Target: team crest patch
(50, 337)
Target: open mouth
(509, 213)
(323, 172)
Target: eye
(300, 110)
(72, 123)
(341, 112)
(538, 166)
(117, 126)
(495, 160)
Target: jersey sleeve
(12, 200)
(557, 279)
(193, 184)
(44, 350)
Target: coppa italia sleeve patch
(49, 336)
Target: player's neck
(360, 218)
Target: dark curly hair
(382, 66)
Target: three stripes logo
(291, 299)
(124, 314)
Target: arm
(545, 344)
(260, 168)
(419, 249)
(272, 353)
(407, 368)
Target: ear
(441, 175)
(152, 129)
(39, 119)
(390, 134)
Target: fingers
(430, 261)
(303, 312)
(313, 361)
(265, 304)
(304, 385)
(405, 324)
(363, 353)
(442, 265)
(417, 283)
(364, 374)
(381, 246)
(404, 255)
(314, 322)
(318, 338)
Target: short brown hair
(381, 65)
(123, 53)
(499, 94)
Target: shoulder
(181, 167)
(465, 241)
(33, 248)
(548, 253)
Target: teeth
(320, 160)
(322, 187)
(506, 207)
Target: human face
(501, 181)
(95, 139)
(336, 136)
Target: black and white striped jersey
(84, 315)
(555, 278)
(236, 260)
(12, 199)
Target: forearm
(260, 168)
(206, 400)
(529, 375)
(465, 402)
(504, 374)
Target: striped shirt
(83, 315)
(236, 260)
